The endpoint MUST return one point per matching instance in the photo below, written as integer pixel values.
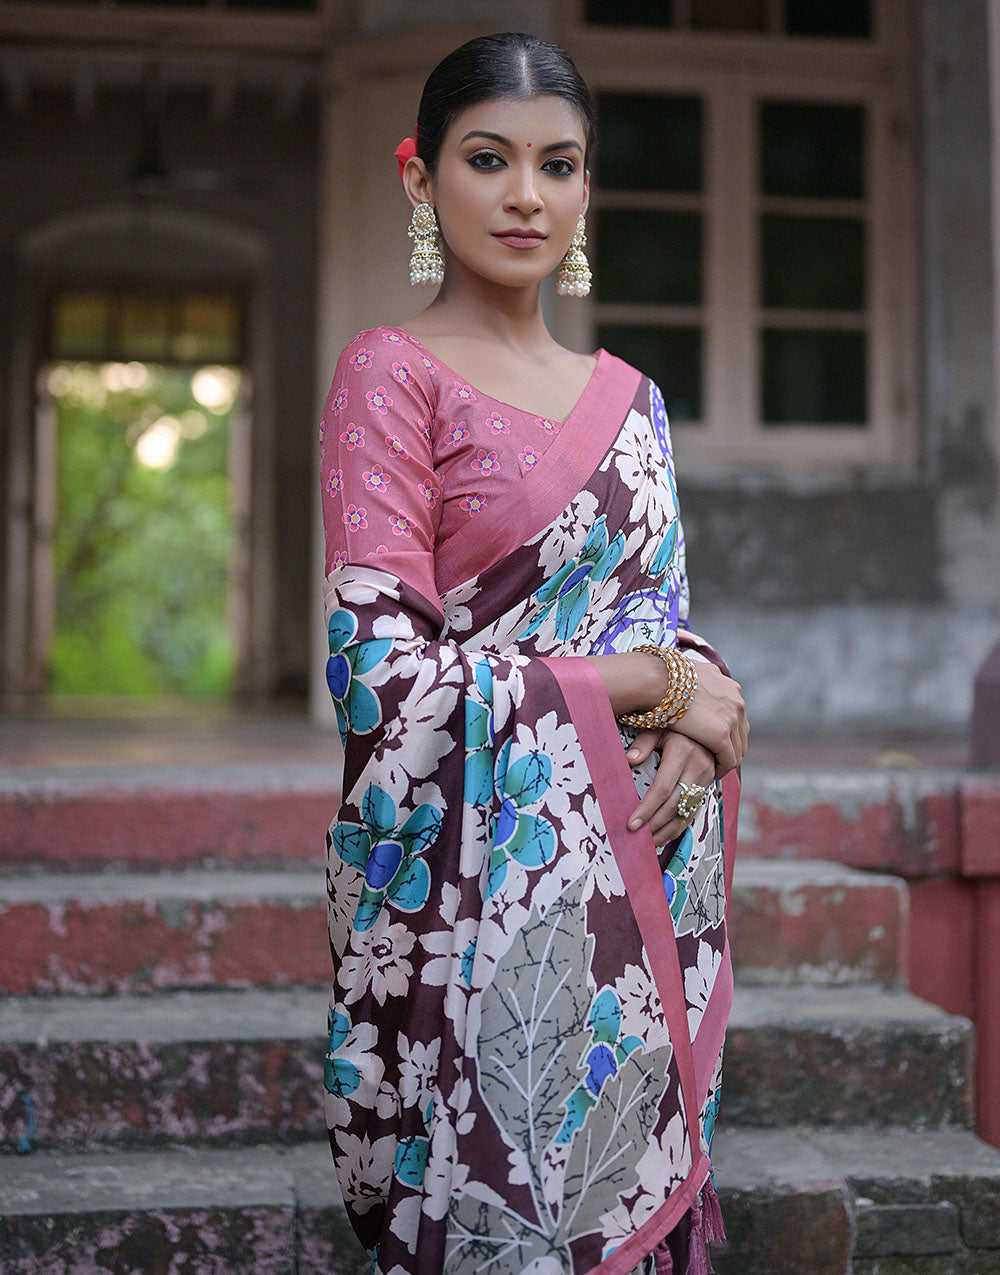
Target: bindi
(529, 145)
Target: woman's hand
(682, 759)
(717, 718)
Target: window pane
(813, 377)
(648, 256)
(669, 356)
(80, 325)
(648, 142)
(828, 17)
(810, 148)
(728, 15)
(814, 262)
(144, 331)
(629, 13)
(208, 329)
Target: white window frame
(732, 73)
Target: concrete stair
(164, 963)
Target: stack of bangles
(681, 685)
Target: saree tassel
(699, 1261)
(714, 1226)
(663, 1260)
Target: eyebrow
(505, 141)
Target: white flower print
(698, 984)
(642, 1011)
(418, 1068)
(343, 888)
(364, 1169)
(561, 745)
(566, 535)
(444, 1177)
(662, 1167)
(405, 1224)
(381, 966)
(447, 945)
(387, 1101)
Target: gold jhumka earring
(426, 263)
(574, 275)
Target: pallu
(529, 1000)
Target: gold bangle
(681, 685)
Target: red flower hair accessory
(405, 150)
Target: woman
(529, 1003)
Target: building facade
(792, 229)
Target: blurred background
(792, 231)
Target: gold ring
(692, 795)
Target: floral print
(402, 373)
(361, 360)
(464, 392)
(376, 479)
(340, 401)
(503, 1076)
(379, 400)
(400, 524)
(355, 517)
(395, 447)
(335, 482)
(353, 436)
(486, 462)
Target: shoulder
(378, 359)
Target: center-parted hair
(508, 64)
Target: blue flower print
(569, 589)
(388, 856)
(479, 738)
(605, 1054)
(664, 553)
(357, 708)
(528, 839)
(646, 616)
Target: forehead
(547, 118)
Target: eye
(485, 155)
(566, 171)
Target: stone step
(103, 932)
(116, 931)
(802, 1201)
(796, 1201)
(845, 1055)
(166, 815)
(260, 1211)
(225, 1067)
(812, 921)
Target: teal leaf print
(569, 589)
(356, 705)
(518, 834)
(411, 1160)
(388, 855)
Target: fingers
(642, 746)
(681, 759)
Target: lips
(521, 238)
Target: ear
(417, 181)
(586, 192)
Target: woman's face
(505, 166)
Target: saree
(529, 1000)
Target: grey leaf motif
(534, 1031)
(487, 1236)
(613, 1137)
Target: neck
(476, 307)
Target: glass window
(813, 262)
(813, 377)
(629, 13)
(207, 329)
(79, 325)
(669, 356)
(728, 15)
(829, 17)
(812, 149)
(144, 327)
(649, 142)
(645, 256)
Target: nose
(522, 190)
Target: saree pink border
(635, 854)
(544, 492)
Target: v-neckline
(599, 355)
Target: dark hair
(508, 64)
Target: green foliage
(141, 554)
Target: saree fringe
(705, 1226)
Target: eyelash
(493, 155)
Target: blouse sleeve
(381, 511)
